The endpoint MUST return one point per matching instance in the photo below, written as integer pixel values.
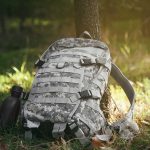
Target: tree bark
(87, 17)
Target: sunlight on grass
(20, 77)
(120, 103)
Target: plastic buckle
(85, 61)
(39, 63)
(73, 127)
(85, 94)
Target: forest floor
(136, 67)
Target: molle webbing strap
(55, 89)
(71, 53)
(86, 50)
(63, 59)
(68, 69)
(124, 83)
(58, 79)
(76, 42)
(54, 100)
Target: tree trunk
(87, 19)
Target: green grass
(20, 77)
(15, 58)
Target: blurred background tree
(35, 23)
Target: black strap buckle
(39, 63)
(73, 127)
(85, 61)
(85, 94)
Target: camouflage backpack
(70, 81)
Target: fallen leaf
(97, 143)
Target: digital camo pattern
(55, 91)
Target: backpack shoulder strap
(126, 124)
(126, 86)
